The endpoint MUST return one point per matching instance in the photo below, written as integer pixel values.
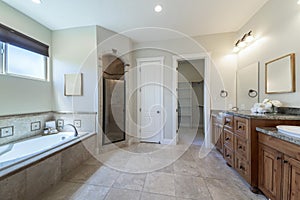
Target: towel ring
(252, 93)
(223, 94)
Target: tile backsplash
(22, 125)
(30, 125)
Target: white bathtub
(26, 149)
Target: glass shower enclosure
(113, 99)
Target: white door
(150, 99)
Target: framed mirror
(280, 75)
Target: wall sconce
(244, 42)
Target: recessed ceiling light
(37, 1)
(298, 2)
(158, 8)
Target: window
(25, 63)
(21, 55)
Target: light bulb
(158, 8)
(249, 38)
(235, 49)
(241, 44)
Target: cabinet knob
(242, 168)
(240, 147)
(240, 127)
(278, 158)
(228, 156)
(285, 161)
(227, 139)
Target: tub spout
(75, 129)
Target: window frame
(5, 67)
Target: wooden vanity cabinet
(217, 130)
(279, 168)
(291, 179)
(229, 138)
(269, 179)
(241, 144)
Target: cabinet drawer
(242, 167)
(241, 127)
(241, 147)
(229, 156)
(228, 138)
(228, 122)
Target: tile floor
(153, 172)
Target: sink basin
(289, 130)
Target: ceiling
(190, 17)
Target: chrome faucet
(75, 129)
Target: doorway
(190, 95)
(199, 89)
(150, 99)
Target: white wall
(277, 29)
(75, 51)
(222, 69)
(19, 95)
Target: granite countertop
(272, 131)
(250, 115)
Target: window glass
(1, 57)
(25, 63)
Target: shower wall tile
(22, 125)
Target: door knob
(158, 112)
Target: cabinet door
(219, 136)
(291, 178)
(269, 179)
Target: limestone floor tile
(186, 168)
(75, 191)
(147, 148)
(160, 164)
(81, 174)
(218, 171)
(138, 164)
(62, 191)
(122, 194)
(226, 190)
(191, 187)
(160, 183)
(93, 161)
(168, 169)
(130, 181)
(104, 176)
(90, 192)
(93, 174)
(187, 156)
(151, 196)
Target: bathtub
(11, 154)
